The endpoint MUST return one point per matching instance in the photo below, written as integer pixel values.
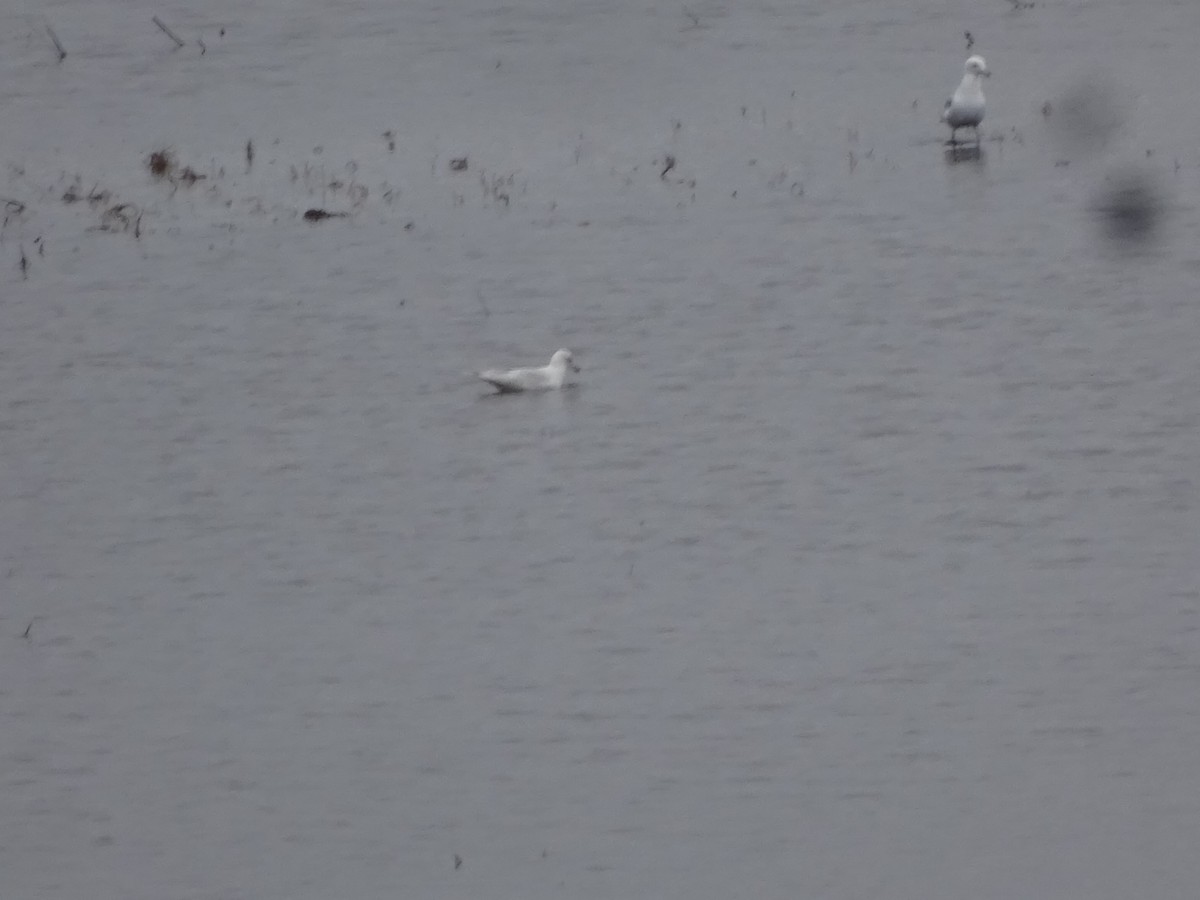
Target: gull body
(966, 106)
(549, 377)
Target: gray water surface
(860, 564)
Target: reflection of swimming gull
(965, 108)
(539, 378)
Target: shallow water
(859, 564)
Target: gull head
(976, 65)
(562, 359)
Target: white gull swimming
(966, 107)
(537, 378)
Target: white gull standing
(538, 378)
(965, 108)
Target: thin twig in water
(179, 42)
(200, 43)
(24, 264)
(28, 628)
(62, 54)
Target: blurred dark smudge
(1086, 116)
(1129, 207)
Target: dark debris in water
(164, 167)
(13, 209)
(122, 217)
(189, 176)
(320, 215)
(160, 163)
